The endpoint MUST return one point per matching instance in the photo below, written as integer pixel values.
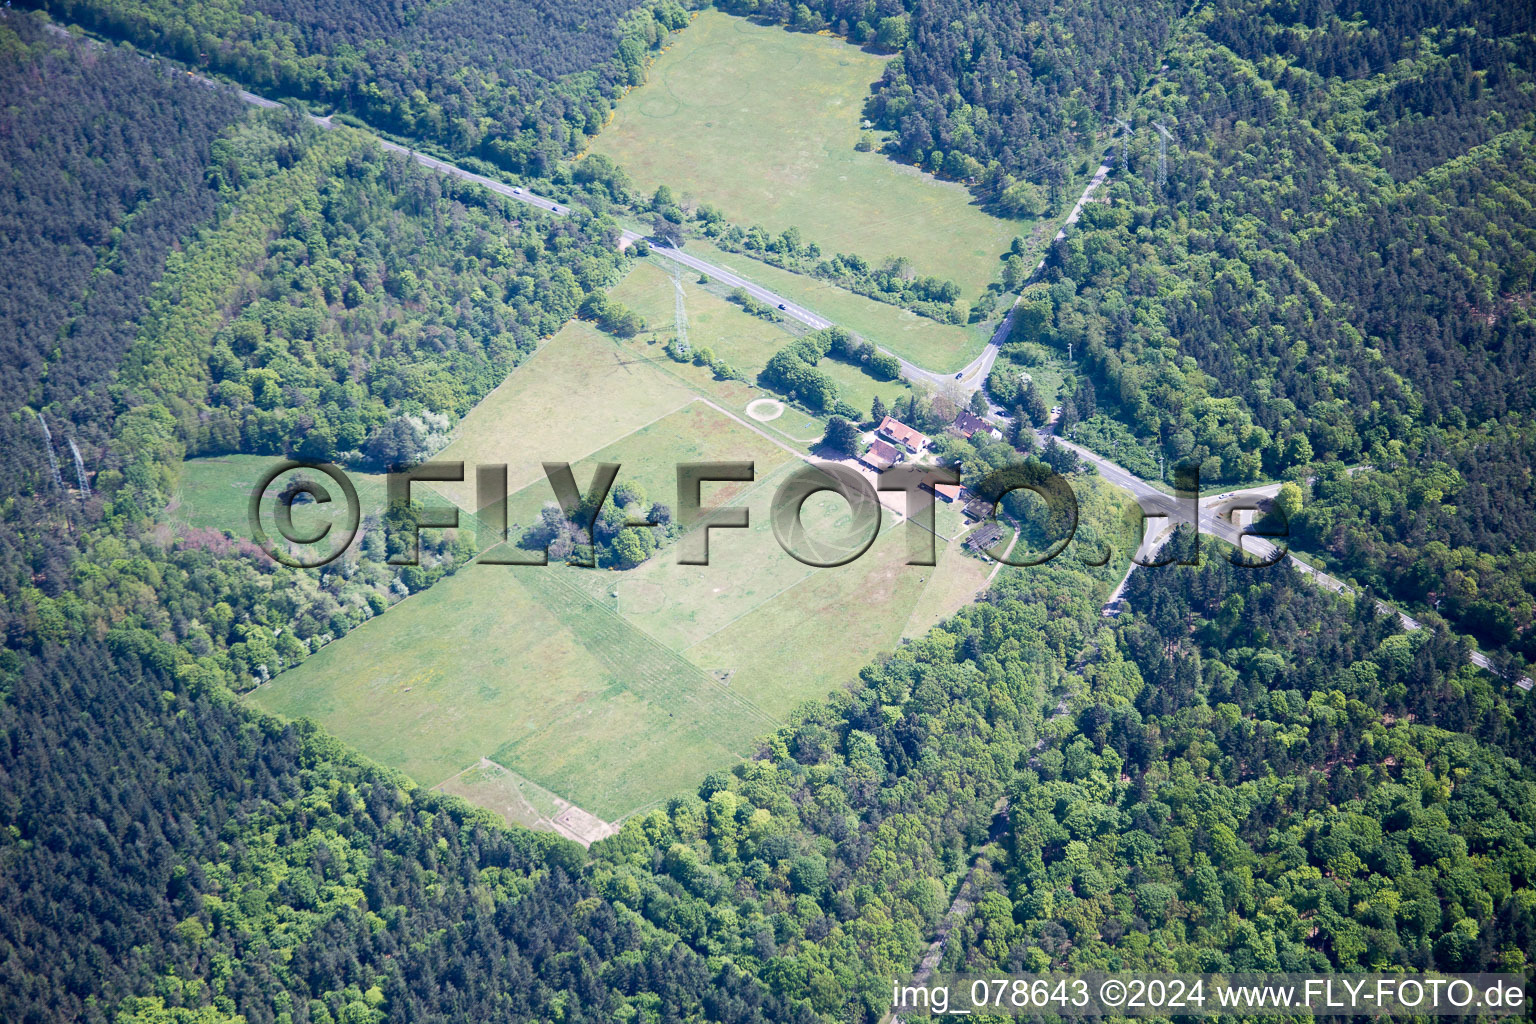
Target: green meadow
(762, 124)
(518, 686)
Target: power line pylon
(1162, 154)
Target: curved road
(1157, 503)
(970, 378)
(974, 375)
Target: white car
(516, 191)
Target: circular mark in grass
(659, 106)
(765, 409)
(696, 80)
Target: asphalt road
(1155, 502)
(970, 378)
(758, 292)
(1176, 510)
(974, 375)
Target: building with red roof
(880, 456)
(897, 432)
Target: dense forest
(164, 850)
(93, 206)
(189, 855)
(1297, 168)
(1005, 96)
(311, 296)
(388, 292)
(1449, 532)
(194, 857)
(1251, 775)
(1271, 780)
(520, 83)
(1333, 260)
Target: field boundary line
(802, 456)
(486, 762)
(534, 482)
(767, 600)
(649, 805)
(455, 775)
(543, 344)
(744, 498)
(714, 683)
(760, 484)
(702, 397)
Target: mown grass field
(649, 457)
(651, 290)
(808, 640)
(615, 690)
(682, 605)
(214, 492)
(762, 123)
(747, 342)
(510, 795)
(957, 580)
(942, 348)
(520, 667)
(579, 392)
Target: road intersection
(1154, 501)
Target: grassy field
(682, 605)
(746, 342)
(213, 493)
(477, 654)
(521, 801)
(845, 615)
(762, 123)
(524, 688)
(733, 335)
(579, 392)
(609, 690)
(1049, 376)
(957, 580)
(515, 798)
(520, 667)
(615, 690)
(942, 348)
(649, 457)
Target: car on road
(781, 305)
(516, 191)
(959, 375)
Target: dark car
(781, 305)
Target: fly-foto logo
(1056, 516)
